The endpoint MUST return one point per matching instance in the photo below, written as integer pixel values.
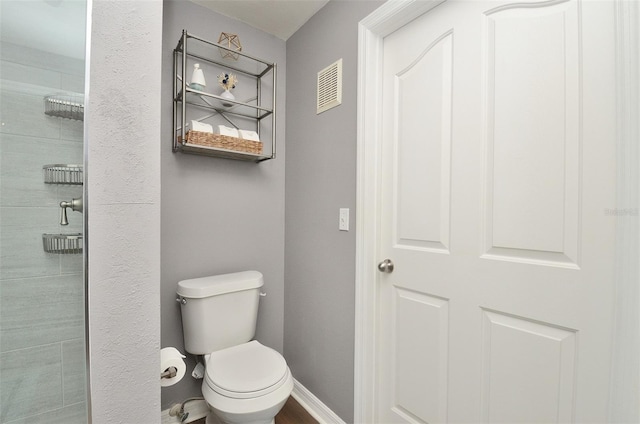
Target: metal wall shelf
(195, 149)
(255, 111)
(226, 106)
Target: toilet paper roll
(202, 127)
(249, 135)
(228, 131)
(171, 357)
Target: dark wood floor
(291, 413)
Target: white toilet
(245, 382)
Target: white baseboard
(313, 405)
(196, 408)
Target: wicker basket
(218, 141)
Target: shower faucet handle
(75, 205)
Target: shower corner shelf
(62, 244)
(70, 106)
(63, 174)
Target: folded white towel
(228, 131)
(202, 127)
(249, 135)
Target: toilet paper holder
(169, 372)
(172, 366)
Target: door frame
(371, 32)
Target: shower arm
(74, 204)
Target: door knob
(386, 266)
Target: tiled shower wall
(42, 359)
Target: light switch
(343, 224)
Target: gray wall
(123, 208)
(320, 179)
(42, 303)
(219, 215)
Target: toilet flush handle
(262, 294)
(181, 300)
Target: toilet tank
(219, 311)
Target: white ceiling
(278, 17)
(58, 26)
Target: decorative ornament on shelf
(231, 41)
(197, 78)
(228, 82)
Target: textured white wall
(123, 167)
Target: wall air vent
(329, 87)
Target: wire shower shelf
(62, 244)
(62, 174)
(69, 106)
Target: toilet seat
(249, 370)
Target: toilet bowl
(245, 382)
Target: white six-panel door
(497, 164)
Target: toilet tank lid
(220, 284)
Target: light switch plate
(343, 224)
